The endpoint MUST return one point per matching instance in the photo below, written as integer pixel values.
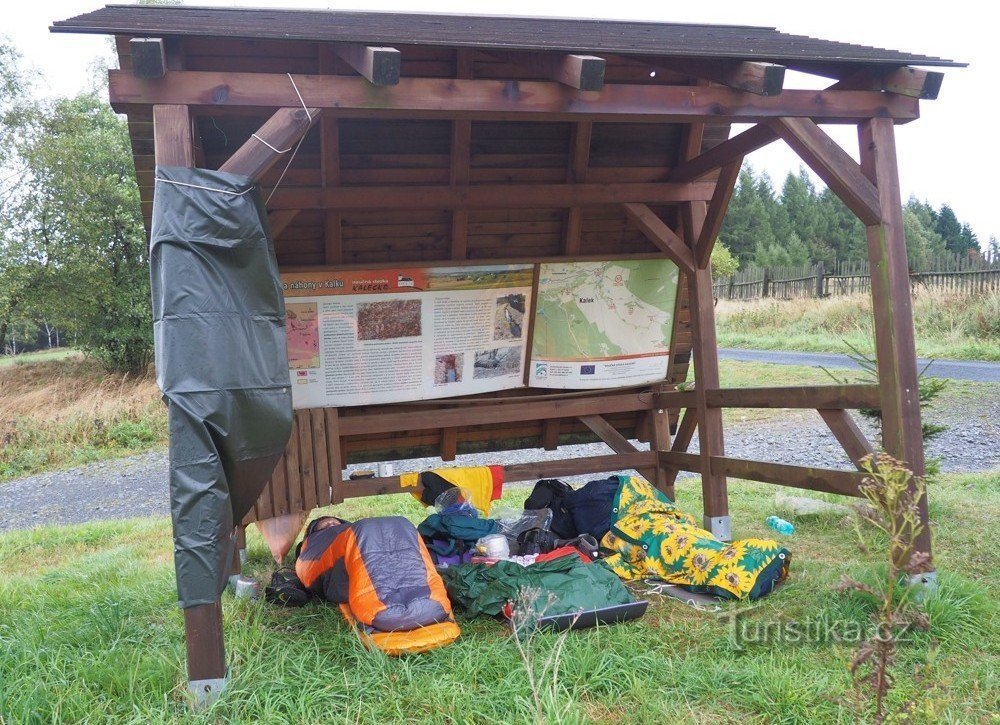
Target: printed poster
(396, 335)
(603, 324)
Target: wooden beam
(847, 433)
(329, 142)
(661, 235)
(617, 463)
(725, 153)
(488, 196)
(895, 351)
(449, 444)
(172, 136)
(271, 142)
(378, 65)
(832, 164)
(716, 213)
(826, 480)
(550, 434)
(904, 80)
(335, 455)
(686, 427)
(149, 57)
(379, 422)
(499, 100)
(333, 242)
(674, 399)
(583, 72)
(834, 397)
(762, 79)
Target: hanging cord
(295, 150)
(161, 180)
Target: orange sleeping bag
(381, 574)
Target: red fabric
(563, 551)
(497, 473)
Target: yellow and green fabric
(651, 538)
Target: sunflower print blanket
(651, 538)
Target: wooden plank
(460, 98)
(149, 57)
(716, 213)
(378, 65)
(335, 455)
(488, 196)
(895, 349)
(449, 444)
(661, 235)
(847, 433)
(278, 486)
(307, 460)
(825, 480)
(275, 138)
(491, 414)
(833, 165)
(576, 173)
(904, 80)
(762, 79)
(294, 466)
(320, 495)
(660, 441)
(333, 243)
(804, 396)
(550, 434)
(173, 136)
(583, 72)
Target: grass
(89, 632)
(947, 325)
(62, 412)
(27, 358)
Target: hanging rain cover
(221, 362)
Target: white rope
(204, 188)
(277, 151)
(304, 107)
(296, 149)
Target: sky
(944, 157)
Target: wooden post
(819, 280)
(705, 355)
(766, 284)
(895, 350)
(206, 655)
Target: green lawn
(89, 632)
(61, 353)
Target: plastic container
(783, 527)
(494, 546)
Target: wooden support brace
(576, 173)
(173, 145)
(378, 65)
(832, 164)
(716, 212)
(847, 433)
(449, 444)
(686, 427)
(661, 235)
(149, 57)
(800, 396)
(550, 434)
(272, 141)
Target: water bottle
(780, 525)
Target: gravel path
(137, 486)
(977, 370)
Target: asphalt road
(978, 370)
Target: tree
(77, 241)
(724, 264)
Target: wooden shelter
(460, 140)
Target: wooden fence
(950, 272)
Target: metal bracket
(719, 526)
(205, 692)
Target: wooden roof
(484, 31)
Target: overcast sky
(945, 156)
